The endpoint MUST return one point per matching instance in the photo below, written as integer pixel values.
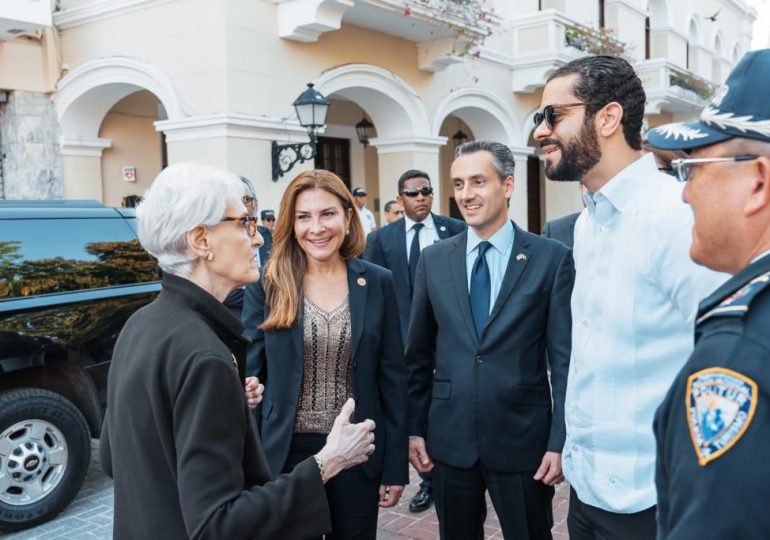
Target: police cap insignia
(720, 406)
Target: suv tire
(45, 450)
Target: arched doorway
(481, 115)
(403, 136)
(94, 93)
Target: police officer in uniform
(713, 428)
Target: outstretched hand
(347, 444)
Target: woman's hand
(347, 444)
(253, 391)
(389, 495)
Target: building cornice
(83, 147)
(424, 145)
(629, 5)
(495, 58)
(242, 126)
(99, 10)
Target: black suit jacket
(387, 248)
(379, 371)
(489, 398)
(562, 229)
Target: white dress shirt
(367, 219)
(497, 257)
(428, 234)
(634, 302)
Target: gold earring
(209, 256)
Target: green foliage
(471, 21)
(692, 82)
(594, 40)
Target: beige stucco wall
(225, 57)
(134, 143)
(30, 63)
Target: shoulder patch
(737, 304)
(720, 406)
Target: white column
(82, 167)
(518, 210)
(395, 156)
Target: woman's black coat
(177, 437)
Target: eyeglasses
(248, 223)
(250, 203)
(549, 114)
(683, 167)
(424, 191)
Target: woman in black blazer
(325, 328)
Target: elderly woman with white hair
(177, 437)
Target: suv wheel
(45, 449)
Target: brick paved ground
(90, 515)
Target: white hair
(181, 198)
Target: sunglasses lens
(547, 116)
(426, 191)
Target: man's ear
(609, 119)
(759, 197)
(198, 240)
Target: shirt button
(574, 448)
(479, 359)
(613, 479)
(585, 323)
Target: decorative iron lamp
(365, 131)
(311, 107)
(460, 137)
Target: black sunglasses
(549, 114)
(248, 223)
(424, 191)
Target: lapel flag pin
(521, 257)
(361, 281)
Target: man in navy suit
(562, 229)
(490, 306)
(397, 247)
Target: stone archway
(488, 117)
(404, 137)
(82, 100)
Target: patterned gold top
(327, 380)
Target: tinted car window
(45, 256)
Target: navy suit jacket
(387, 248)
(562, 229)
(489, 398)
(379, 371)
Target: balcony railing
(546, 40)
(445, 30)
(673, 89)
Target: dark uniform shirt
(713, 427)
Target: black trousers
(586, 522)
(523, 505)
(353, 497)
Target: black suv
(71, 273)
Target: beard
(580, 155)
